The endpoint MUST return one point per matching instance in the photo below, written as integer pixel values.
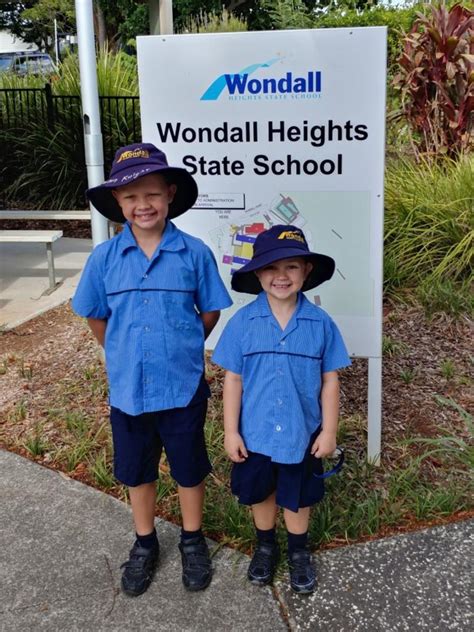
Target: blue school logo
(239, 86)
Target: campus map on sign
(324, 217)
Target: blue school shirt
(154, 342)
(281, 374)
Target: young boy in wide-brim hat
(281, 396)
(151, 296)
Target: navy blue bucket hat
(133, 162)
(281, 242)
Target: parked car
(27, 63)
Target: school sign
(282, 127)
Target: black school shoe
(263, 564)
(197, 567)
(302, 572)
(139, 569)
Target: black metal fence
(34, 120)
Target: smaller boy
(281, 396)
(151, 295)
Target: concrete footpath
(24, 282)
(62, 544)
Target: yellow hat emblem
(291, 234)
(137, 153)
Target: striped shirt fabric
(281, 373)
(154, 343)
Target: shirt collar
(171, 240)
(260, 306)
(304, 309)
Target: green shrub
(429, 236)
(46, 166)
(395, 19)
(45, 163)
(116, 75)
(446, 297)
(223, 22)
(435, 80)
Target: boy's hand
(324, 445)
(235, 447)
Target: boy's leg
(265, 557)
(137, 452)
(191, 500)
(264, 513)
(302, 573)
(143, 501)
(182, 433)
(297, 522)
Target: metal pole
(91, 112)
(56, 44)
(166, 17)
(160, 17)
(51, 274)
(374, 430)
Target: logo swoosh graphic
(216, 87)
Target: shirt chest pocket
(179, 310)
(305, 360)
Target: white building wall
(10, 43)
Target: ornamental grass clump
(429, 217)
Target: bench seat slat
(48, 215)
(30, 236)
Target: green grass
(35, 443)
(101, 470)
(446, 297)
(392, 347)
(77, 423)
(447, 368)
(408, 375)
(430, 479)
(19, 411)
(429, 216)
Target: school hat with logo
(281, 242)
(133, 162)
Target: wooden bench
(35, 236)
(51, 215)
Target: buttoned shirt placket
(153, 335)
(281, 405)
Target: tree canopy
(119, 21)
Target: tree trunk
(101, 31)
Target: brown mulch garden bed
(52, 363)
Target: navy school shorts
(139, 441)
(254, 480)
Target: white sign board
(283, 127)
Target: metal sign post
(161, 17)
(90, 111)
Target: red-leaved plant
(436, 80)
